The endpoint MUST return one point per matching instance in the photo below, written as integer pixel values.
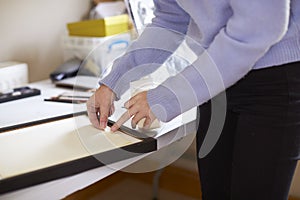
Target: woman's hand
(100, 106)
(138, 108)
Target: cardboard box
(99, 27)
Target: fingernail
(102, 125)
(133, 126)
(147, 126)
(113, 128)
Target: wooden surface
(173, 179)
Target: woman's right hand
(100, 106)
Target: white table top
(35, 108)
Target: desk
(57, 189)
(34, 108)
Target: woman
(252, 51)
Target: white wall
(31, 30)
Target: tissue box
(99, 27)
(12, 74)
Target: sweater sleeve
(252, 29)
(157, 42)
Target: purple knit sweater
(230, 38)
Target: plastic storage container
(101, 50)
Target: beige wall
(31, 30)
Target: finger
(93, 115)
(126, 116)
(147, 123)
(90, 104)
(104, 113)
(112, 110)
(130, 103)
(94, 119)
(136, 119)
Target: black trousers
(257, 152)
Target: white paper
(37, 147)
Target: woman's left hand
(138, 108)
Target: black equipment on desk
(74, 67)
(19, 93)
(68, 69)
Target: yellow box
(99, 27)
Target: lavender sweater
(238, 36)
